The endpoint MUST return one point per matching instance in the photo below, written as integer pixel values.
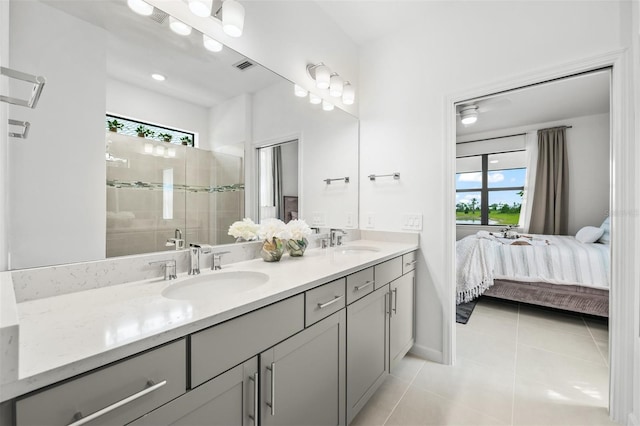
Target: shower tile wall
(135, 220)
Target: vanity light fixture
(469, 114)
(336, 85)
(314, 99)
(348, 94)
(300, 92)
(321, 74)
(158, 77)
(160, 150)
(211, 44)
(327, 106)
(232, 18)
(201, 8)
(140, 7)
(148, 148)
(171, 152)
(179, 27)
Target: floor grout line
(595, 342)
(515, 370)
(404, 393)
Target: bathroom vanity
(309, 345)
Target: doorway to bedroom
(532, 250)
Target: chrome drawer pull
(151, 387)
(272, 404)
(365, 285)
(256, 391)
(413, 262)
(330, 302)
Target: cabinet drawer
(324, 300)
(388, 271)
(219, 348)
(359, 284)
(409, 261)
(165, 366)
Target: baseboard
(427, 353)
(633, 421)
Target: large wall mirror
(80, 191)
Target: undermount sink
(355, 249)
(215, 285)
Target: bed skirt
(585, 300)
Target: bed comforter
(555, 259)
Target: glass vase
(272, 250)
(296, 248)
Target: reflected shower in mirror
(278, 181)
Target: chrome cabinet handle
(256, 391)
(365, 285)
(394, 297)
(151, 387)
(272, 404)
(330, 302)
(413, 262)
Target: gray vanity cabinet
(401, 322)
(230, 399)
(302, 378)
(368, 337)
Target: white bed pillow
(589, 234)
(606, 234)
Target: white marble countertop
(62, 336)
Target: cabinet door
(303, 378)
(227, 400)
(401, 331)
(367, 334)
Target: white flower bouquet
(244, 229)
(298, 229)
(273, 228)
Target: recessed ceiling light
(158, 77)
(493, 161)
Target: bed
(548, 270)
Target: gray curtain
(550, 196)
(276, 171)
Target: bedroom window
(489, 188)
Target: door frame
(622, 199)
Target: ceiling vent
(159, 16)
(243, 64)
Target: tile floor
(516, 365)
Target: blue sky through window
(497, 179)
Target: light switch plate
(412, 222)
(370, 220)
(318, 219)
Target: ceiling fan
(469, 111)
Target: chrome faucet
(334, 238)
(216, 263)
(176, 241)
(194, 251)
(169, 267)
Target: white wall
(4, 138)
(402, 124)
(588, 148)
(328, 146)
(57, 208)
(284, 36)
(229, 123)
(152, 107)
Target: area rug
(464, 311)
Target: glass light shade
(314, 99)
(158, 77)
(300, 92)
(323, 76)
(348, 94)
(148, 148)
(327, 106)
(469, 119)
(159, 150)
(232, 18)
(211, 44)
(179, 27)
(140, 7)
(201, 7)
(336, 86)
